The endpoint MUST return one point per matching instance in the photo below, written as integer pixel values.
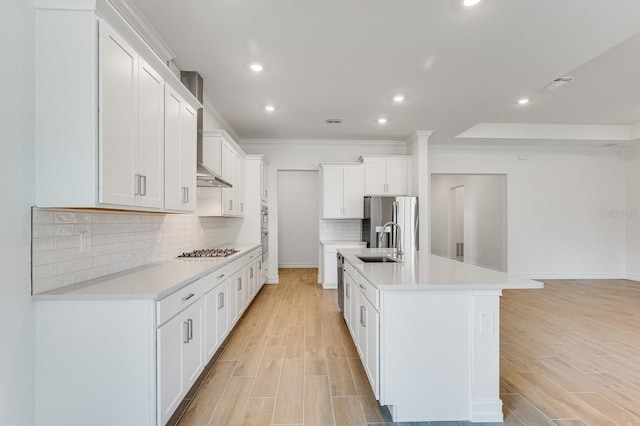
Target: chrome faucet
(399, 252)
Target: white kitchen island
(428, 333)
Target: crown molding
(136, 19)
(211, 109)
(604, 132)
(319, 142)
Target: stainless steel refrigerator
(380, 210)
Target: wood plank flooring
(570, 355)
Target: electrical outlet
(85, 242)
(487, 323)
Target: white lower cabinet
(131, 361)
(363, 320)
(180, 353)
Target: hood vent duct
(205, 177)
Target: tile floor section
(290, 361)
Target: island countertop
(424, 271)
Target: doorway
(298, 217)
(469, 218)
(456, 223)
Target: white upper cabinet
(180, 153)
(387, 175)
(212, 152)
(100, 113)
(342, 191)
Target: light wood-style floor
(570, 355)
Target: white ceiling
(457, 66)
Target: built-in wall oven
(264, 231)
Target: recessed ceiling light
(382, 120)
(270, 108)
(470, 3)
(523, 101)
(398, 98)
(256, 67)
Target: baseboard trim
(273, 279)
(297, 265)
(633, 277)
(486, 411)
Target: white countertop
(153, 281)
(341, 242)
(424, 271)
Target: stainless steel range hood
(205, 177)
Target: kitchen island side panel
(425, 346)
(108, 377)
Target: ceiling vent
(563, 79)
(559, 82)
(333, 120)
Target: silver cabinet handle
(362, 315)
(250, 272)
(239, 284)
(219, 276)
(138, 184)
(347, 293)
(241, 207)
(185, 332)
(220, 300)
(361, 286)
(260, 265)
(187, 297)
(190, 322)
(230, 205)
(143, 185)
(185, 194)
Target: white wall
(298, 207)
(306, 155)
(554, 202)
(18, 194)
(483, 217)
(631, 214)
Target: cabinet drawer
(216, 278)
(349, 269)
(174, 303)
(369, 291)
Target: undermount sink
(378, 259)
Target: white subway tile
(67, 242)
(71, 266)
(42, 244)
(42, 216)
(98, 228)
(82, 228)
(64, 217)
(42, 231)
(52, 283)
(42, 271)
(47, 257)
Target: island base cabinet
(99, 354)
(439, 355)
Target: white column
(418, 147)
(486, 405)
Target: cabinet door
(372, 362)
(332, 192)
(398, 173)
(240, 290)
(210, 323)
(353, 192)
(234, 285)
(346, 312)
(362, 327)
(172, 133)
(375, 176)
(228, 174)
(212, 153)
(222, 312)
(117, 119)
(180, 153)
(193, 349)
(238, 187)
(188, 141)
(354, 323)
(170, 376)
(150, 176)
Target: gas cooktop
(207, 253)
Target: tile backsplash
(341, 230)
(72, 246)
